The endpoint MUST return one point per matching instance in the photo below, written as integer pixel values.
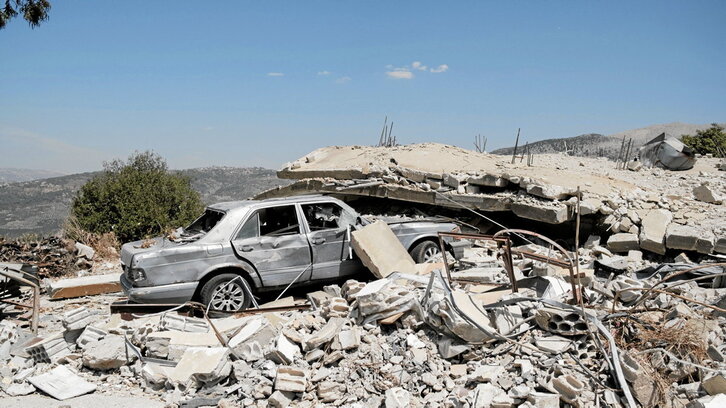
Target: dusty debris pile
(54, 256)
(491, 325)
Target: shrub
(707, 141)
(136, 199)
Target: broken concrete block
(48, 350)
(544, 400)
(560, 321)
(317, 298)
(329, 391)
(257, 330)
(351, 288)
(628, 288)
(84, 251)
(381, 251)
(550, 191)
(284, 351)
(551, 214)
(201, 366)
(290, 379)
(19, 389)
(455, 180)
(173, 321)
(281, 399)
(383, 298)
(553, 344)
(506, 318)
(623, 242)
(485, 394)
(487, 373)
(707, 193)
(349, 339)
(76, 319)
(107, 353)
(488, 180)
(85, 286)
(569, 388)
(653, 230)
(324, 335)
(397, 397)
(335, 307)
(89, 335)
(61, 383)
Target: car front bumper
(173, 293)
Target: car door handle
(245, 248)
(318, 241)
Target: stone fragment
(329, 391)
(397, 397)
(544, 400)
(707, 193)
(284, 351)
(351, 288)
(84, 251)
(623, 242)
(653, 230)
(18, 389)
(714, 385)
(349, 339)
(324, 335)
(281, 399)
(381, 251)
(553, 344)
(487, 373)
(485, 394)
(106, 354)
(290, 379)
(257, 330)
(335, 307)
(201, 366)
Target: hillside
(12, 175)
(41, 206)
(594, 144)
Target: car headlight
(137, 274)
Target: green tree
(707, 141)
(136, 199)
(33, 11)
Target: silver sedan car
(240, 248)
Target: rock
(85, 251)
(106, 354)
(485, 394)
(397, 397)
(707, 193)
(623, 242)
(324, 335)
(653, 230)
(487, 373)
(281, 399)
(19, 389)
(715, 385)
(201, 366)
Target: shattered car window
(277, 221)
(322, 216)
(201, 226)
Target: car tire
(424, 250)
(225, 293)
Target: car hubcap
(431, 252)
(228, 297)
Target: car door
(272, 240)
(329, 235)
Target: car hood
(129, 249)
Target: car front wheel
(225, 293)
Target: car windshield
(200, 227)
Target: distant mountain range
(11, 175)
(41, 206)
(595, 144)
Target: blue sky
(261, 83)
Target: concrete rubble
(509, 320)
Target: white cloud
(324, 73)
(400, 73)
(419, 66)
(343, 80)
(440, 68)
(275, 74)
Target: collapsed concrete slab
(84, 286)
(381, 251)
(61, 383)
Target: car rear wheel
(225, 293)
(425, 251)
